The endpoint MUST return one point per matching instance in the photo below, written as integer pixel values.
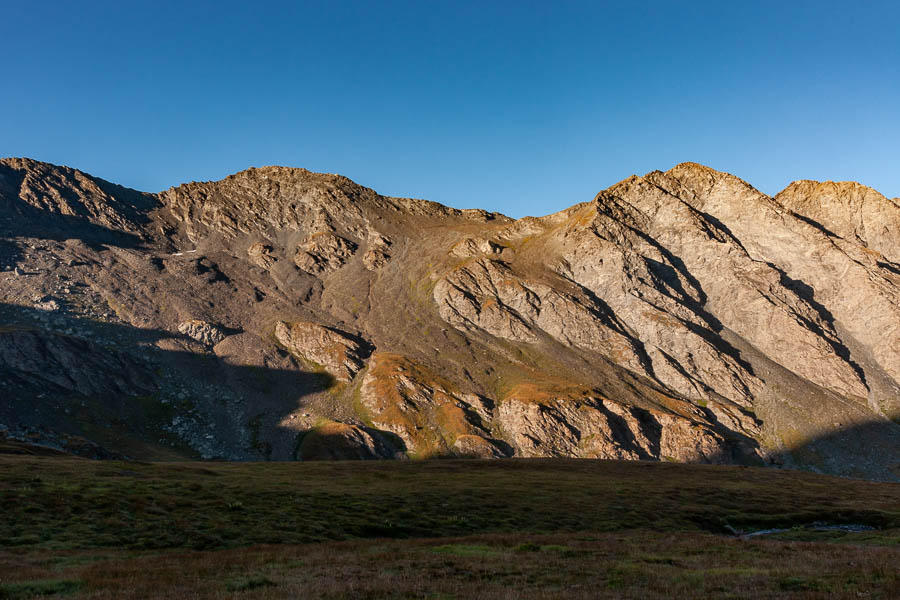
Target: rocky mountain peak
(46, 195)
(847, 210)
(680, 315)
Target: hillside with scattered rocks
(280, 314)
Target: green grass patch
(243, 584)
(32, 589)
(61, 503)
(466, 550)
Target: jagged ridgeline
(282, 314)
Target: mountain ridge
(678, 315)
(279, 169)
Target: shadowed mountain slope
(283, 314)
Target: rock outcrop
(201, 331)
(323, 252)
(378, 252)
(848, 211)
(335, 351)
(571, 422)
(261, 255)
(426, 412)
(340, 441)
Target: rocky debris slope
(283, 314)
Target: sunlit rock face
(283, 314)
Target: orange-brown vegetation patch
(411, 401)
(546, 392)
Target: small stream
(847, 528)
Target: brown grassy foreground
(437, 529)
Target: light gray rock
(378, 252)
(848, 210)
(46, 303)
(201, 331)
(470, 247)
(261, 255)
(323, 252)
(335, 351)
(596, 428)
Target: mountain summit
(283, 314)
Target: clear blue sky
(522, 107)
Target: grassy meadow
(74, 528)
